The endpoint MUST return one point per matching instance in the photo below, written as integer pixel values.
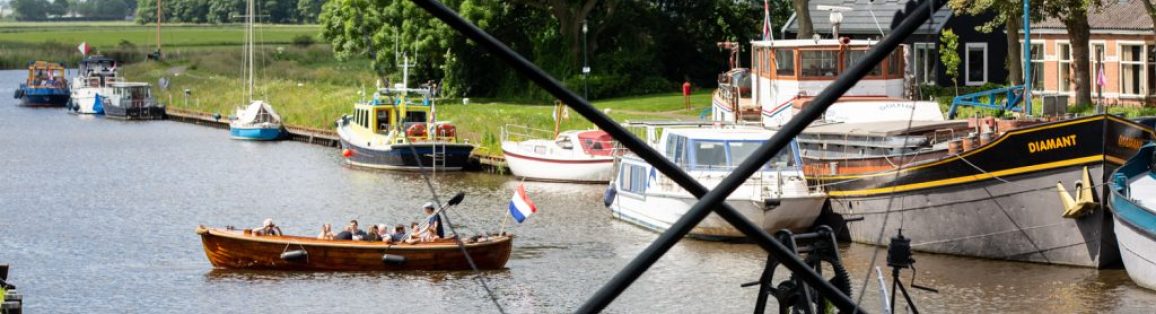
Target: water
(98, 215)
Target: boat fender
(608, 197)
(771, 203)
(393, 259)
(295, 256)
(19, 93)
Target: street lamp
(585, 64)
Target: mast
(249, 47)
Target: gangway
(1013, 96)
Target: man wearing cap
(268, 229)
(435, 221)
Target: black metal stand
(794, 295)
(899, 257)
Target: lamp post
(585, 64)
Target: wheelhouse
(722, 149)
(810, 60)
(44, 74)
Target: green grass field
(110, 34)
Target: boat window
(819, 63)
(415, 116)
(564, 143)
(633, 178)
(785, 62)
(741, 150)
(710, 154)
(382, 120)
(854, 56)
(676, 149)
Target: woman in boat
(372, 235)
(326, 232)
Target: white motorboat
(573, 156)
(774, 198)
(93, 83)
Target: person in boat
(268, 229)
(372, 235)
(326, 232)
(434, 221)
(398, 235)
(383, 232)
(414, 234)
(346, 234)
(357, 233)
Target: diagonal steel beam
(715, 198)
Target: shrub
(303, 41)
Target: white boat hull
(1138, 253)
(546, 168)
(658, 212)
(84, 100)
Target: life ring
(447, 130)
(416, 130)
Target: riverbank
(310, 89)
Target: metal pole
(585, 64)
(713, 199)
(1028, 59)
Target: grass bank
(311, 89)
(57, 41)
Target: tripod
(898, 258)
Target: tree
(949, 56)
(1074, 15)
(571, 15)
(30, 10)
(803, 16)
(1007, 13)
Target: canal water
(98, 216)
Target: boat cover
(252, 114)
(596, 143)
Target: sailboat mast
(249, 47)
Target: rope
(448, 225)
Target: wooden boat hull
(233, 249)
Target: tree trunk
(1078, 30)
(803, 18)
(1015, 55)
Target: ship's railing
(518, 133)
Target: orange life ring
(447, 130)
(416, 130)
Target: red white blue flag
(84, 48)
(767, 21)
(521, 206)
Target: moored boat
(91, 84)
(774, 198)
(240, 249)
(131, 101)
(573, 156)
(46, 85)
(1133, 199)
(257, 120)
(391, 132)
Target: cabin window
(564, 143)
(855, 56)
(710, 154)
(975, 64)
(676, 149)
(1131, 69)
(741, 150)
(755, 62)
(785, 62)
(894, 63)
(819, 63)
(766, 66)
(1064, 55)
(415, 116)
(633, 178)
(925, 63)
(382, 120)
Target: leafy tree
(949, 56)
(1007, 13)
(30, 10)
(1074, 15)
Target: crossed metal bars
(708, 199)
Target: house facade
(983, 55)
(1122, 45)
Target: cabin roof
(1113, 16)
(722, 134)
(859, 20)
(884, 128)
(811, 43)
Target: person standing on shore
(686, 94)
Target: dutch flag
(520, 205)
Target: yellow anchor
(1084, 203)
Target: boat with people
(257, 120)
(585, 156)
(46, 85)
(1133, 199)
(243, 249)
(132, 101)
(392, 131)
(91, 84)
(774, 198)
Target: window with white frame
(1064, 56)
(975, 64)
(925, 63)
(1097, 60)
(1037, 59)
(1131, 69)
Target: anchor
(1084, 203)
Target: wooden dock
(484, 160)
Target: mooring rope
(481, 278)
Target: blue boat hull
(1135, 223)
(257, 134)
(43, 96)
(401, 156)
